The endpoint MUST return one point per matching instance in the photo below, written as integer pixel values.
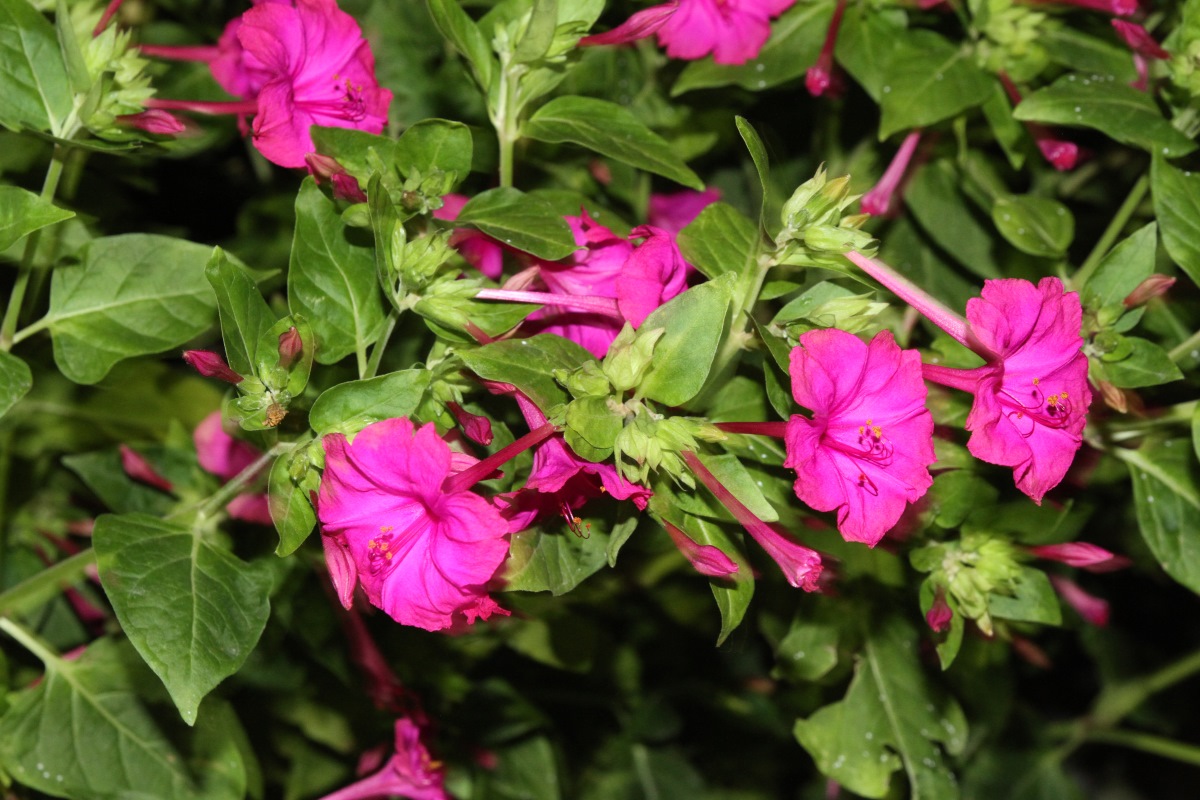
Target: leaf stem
(1112, 231)
(29, 641)
(380, 345)
(36, 590)
(1184, 349)
(1148, 743)
(17, 299)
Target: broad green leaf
(1003, 774)
(721, 239)
(539, 34)
(133, 295)
(1125, 266)
(526, 223)
(865, 45)
(552, 557)
(466, 37)
(938, 204)
(563, 641)
(15, 381)
(1146, 365)
(525, 770)
(193, 610)
(244, 314)
(796, 39)
(762, 165)
(1177, 206)
(610, 130)
(331, 278)
(890, 718)
(349, 407)
(1166, 491)
(928, 80)
(808, 651)
(1123, 113)
(529, 365)
(734, 477)
(619, 536)
(435, 144)
(695, 323)
(89, 730)
(956, 494)
(1038, 226)
(732, 596)
(291, 507)
(1077, 50)
(36, 92)
(22, 212)
(1032, 600)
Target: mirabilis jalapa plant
(546, 330)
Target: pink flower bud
(820, 75)
(1093, 609)
(290, 347)
(139, 469)
(477, 429)
(1062, 154)
(211, 365)
(707, 560)
(1073, 554)
(1030, 653)
(322, 167)
(154, 120)
(940, 614)
(878, 201)
(346, 187)
(1154, 286)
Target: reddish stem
(776, 429)
(477, 472)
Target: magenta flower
(227, 457)
(733, 31)
(819, 77)
(410, 772)
(1031, 397)
(478, 249)
(422, 546)
(867, 449)
(1074, 554)
(211, 365)
(878, 200)
(674, 212)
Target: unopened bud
(139, 469)
(154, 120)
(630, 356)
(211, 365)
(585, 381)
(476, 428)
(323, 167)
(290, 347)
(940, 614)
(1154, 286)
(1074, 554)
(1093, 609)
(346, 187)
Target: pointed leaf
(435, 144)
(529, 365)
(1166, 491)
(695, 323)
(928, 80)
(720, 240)
(349, 407)
(244, 313)
(525, 222)
(1038, 226)
(36, 91)
(1125, 266)
(15, 381)
(22, 212)
(1177, 206)
(291, 507)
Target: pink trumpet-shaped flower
(1031, 397)
(867, 449)
(1094, 610)
(410, 772)
(820, 75)
(1139, 40)
(733, 31)
(227, 457)
(706, 559)
(801, 565)
(1074, 554)
(878, 200)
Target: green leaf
(941, 208)
(244, 314)
(592, 428)
(734, 477)
(796, 39)
(1146, 365)
(36, 92)
(1125, 266)
(1009, 133)
(133, 295)
(732, 596)
(349, 407)
(194, 611)
(1038, 226)
(291, 507)
(23, 212)
(865, 45)
(721, 239)
(464, 34)
(1177, 206)
(1073, 48)
(610, 130)
(1032, 600)
(88, 730)
(695, 323)
(15, 381)
(809, 650)
(539, 34)
(435, 144)
(1123, 113)
(352, 148)
(523, 221)
(928, 80)
(762, 165)
(889, 718)
(1166, 492)
(331, 279)
(268, 363)
(553, 558)
(526, 770)
(529, 365)
(564, 641)
(102, 473)
(72, 53)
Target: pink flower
(940, 614)
(1031, 397)
(878, 201)
(1074, 554)
(480, 250)
(321, 72)
(820, 75)
(211, 365)
(421, 551)
(674, 212)
(1094, 610)
(410, 772)
(706, 559)
(733, 31)
(227, 457)
(867, 449)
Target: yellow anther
(1036, 381)
(877, 431)
(385, 528)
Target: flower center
(1032, 407)
(380, 551)
(870, 445)
(349, 106)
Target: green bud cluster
(1184, 46)
(1012, 36)
(815, 231)
(969, 570)
(116, 74)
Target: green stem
(17, 299)
(1148, 743)
(380, 345)
(1184, 349)
(6, 455)
(1115, 703)
(29, 641)
(508, 109)
(47, 584)
(1115, 226)
(237, 483)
